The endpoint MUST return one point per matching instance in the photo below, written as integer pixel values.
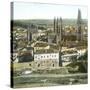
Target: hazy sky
(24, 10)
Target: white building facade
(53, 56)
(47, 56)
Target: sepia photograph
(49, 44)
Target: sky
(26, 10)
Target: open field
(20, 66)
(55, 76)
(49, 80)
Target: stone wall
(44, 64)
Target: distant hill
(47, 22)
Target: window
(29, 64)
(41, 56)
(38, 65)
(53, 65)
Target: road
(55, 75)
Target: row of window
(46, 56)
(41, 65)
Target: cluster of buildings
(50, 53)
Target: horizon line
(47, 18)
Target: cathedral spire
(54, 24)
(79, 29)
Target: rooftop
(45, 51)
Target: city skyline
(47, 11)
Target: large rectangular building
(47, 56)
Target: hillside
(47, 22)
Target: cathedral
(57, 35)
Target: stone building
(57, 34)
(51, 59)
(45, 60)
(46, 56)
(79, 26)
(32, 32)
(51, 38)
(25, 55)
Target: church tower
(29, 34)
(79, 26)
(60, 41)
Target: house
(40, 45)
(26, 54)
(46, 60)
